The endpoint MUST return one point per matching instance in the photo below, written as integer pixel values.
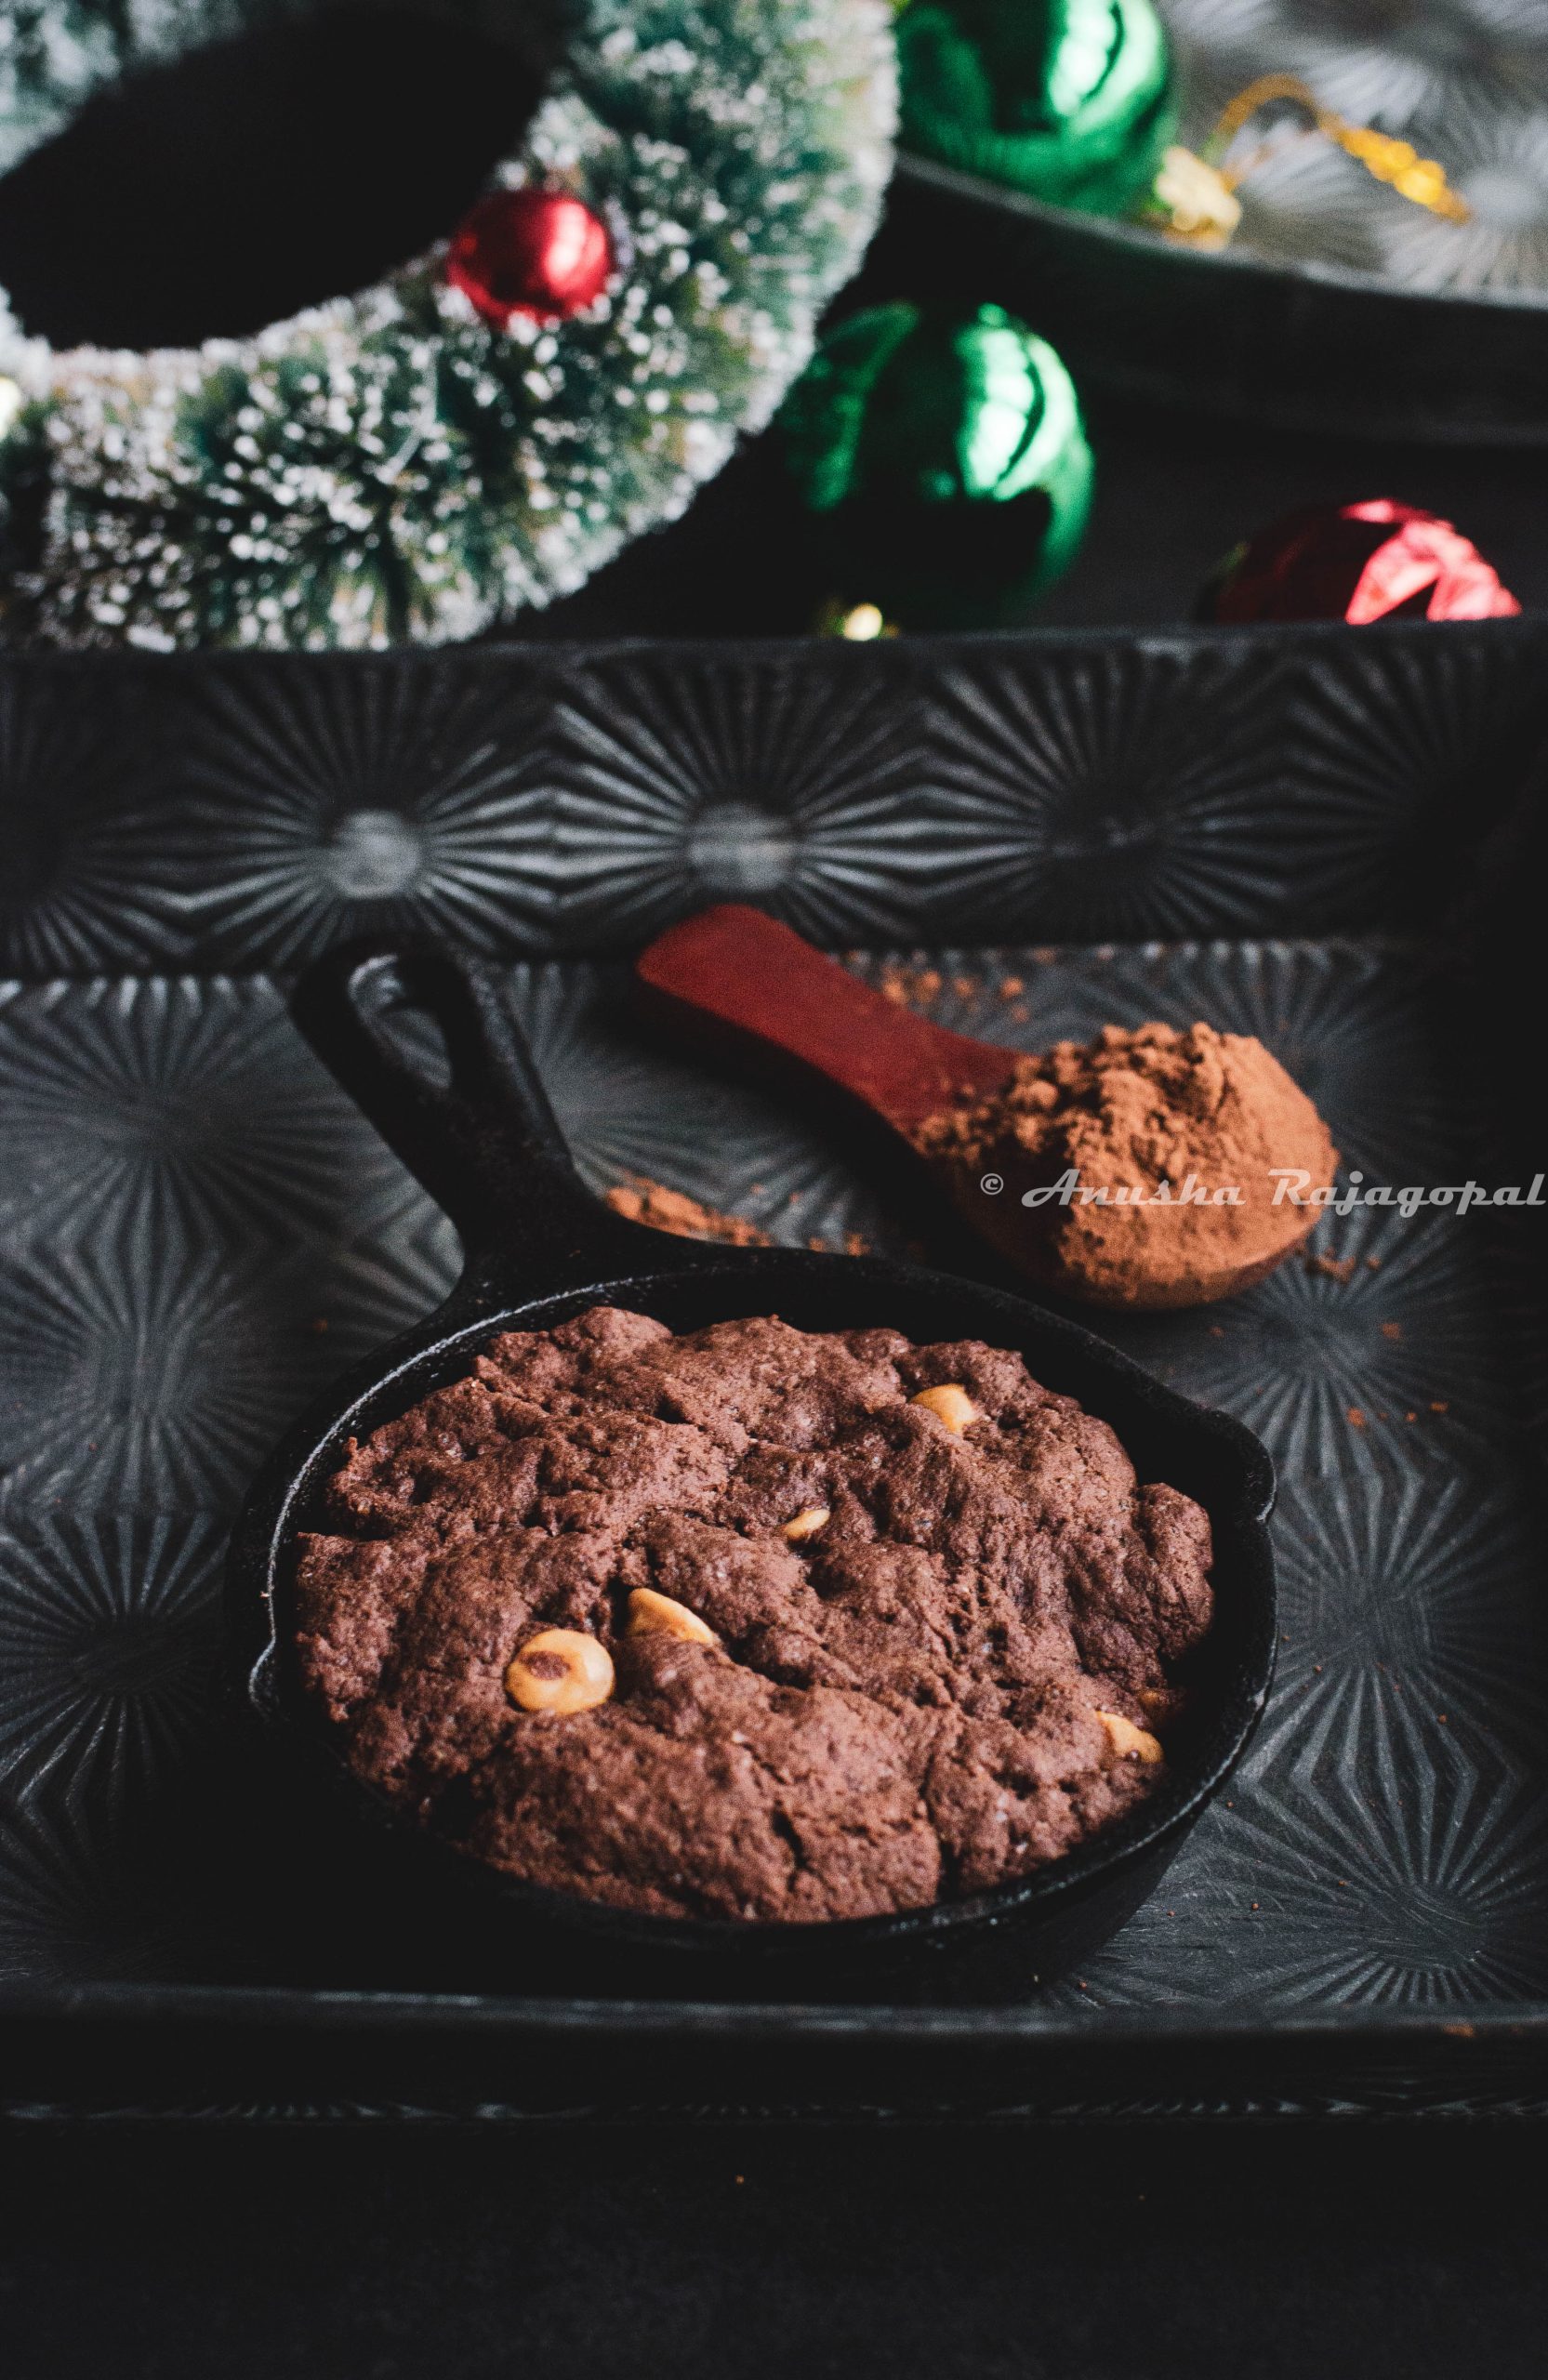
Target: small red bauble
(536, 252)
(1375, 561)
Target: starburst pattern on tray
(620, 1103)
(201, 1234)
(177, 1107)
(1384, 753)
(1309, 197)
(1504, 177)
(157, 1375)
(87, 1892)
(522, 804)
(1408, 61)
(361, 1297)
(737, 785)
(1336, 1357)
(633, 1110)
(1340, 1898)
(1084, 794)
(1429, 1900)
(1407, 1612)
(108, 1638)
(315, 806)
(1465, 81)
(88, 880)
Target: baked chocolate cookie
(752, 1622)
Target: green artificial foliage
(388, 466)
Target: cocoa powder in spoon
(1174, 1139)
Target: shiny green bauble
(942, 462)
(1067, 100)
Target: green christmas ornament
(944, 462)
(1068, 101)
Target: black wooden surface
(1054, 2253)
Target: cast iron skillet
(539, 1248)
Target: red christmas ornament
(1376, 561)
(536, 252)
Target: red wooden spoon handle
(734, 969)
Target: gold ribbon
(1395, 162)
(1197, 194)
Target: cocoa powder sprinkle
(643, 1201)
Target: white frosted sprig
(388, 466)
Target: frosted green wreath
(387, 466)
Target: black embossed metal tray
(1325, 837)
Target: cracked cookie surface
(900, 1704)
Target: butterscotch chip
(654, 1615)
(950, 1404)
(1129, 1742)
(807, 1523)
(561, 1670)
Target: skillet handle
(486, 1143)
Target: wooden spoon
(738, 982)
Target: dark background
(1174, 491)
(1347, 2252)
(381, 2248)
